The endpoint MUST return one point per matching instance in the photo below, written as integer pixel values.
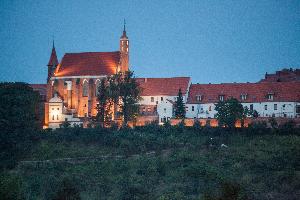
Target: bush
(289, 127)
(273, 123)
(197, 125)
(10, 187)
(68, 191)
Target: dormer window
(243, 97)
(270, 97)
(198, 97)
(221, 97)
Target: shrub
(289, 127)
(67, 190)
(197, 125)
(10, 187)
(273, 123)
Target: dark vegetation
(154, 163)
(151, 162)
(179, 106)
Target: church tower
(124, 51)
(53, 62)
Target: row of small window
(251, 107)
(53, 117)
(152, 99)
(161, 99)
(243, 97)
(209, 108)
(275, 107)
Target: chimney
(145, 80)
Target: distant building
(269, 99)
(285, 75)
(158, 96)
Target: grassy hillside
(154, 163)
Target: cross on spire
(53, 42)
(124, 26)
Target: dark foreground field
(151, 163)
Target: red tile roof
(88, 64)
(256, 92)
(53, 58)
(163, 86)
(41, 88)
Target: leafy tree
(124, 91)
(273, 123)
(18, 106)
(18, 120)
(104, 103)
(229, 111)
(246, 113)
(179, 106)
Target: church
(71, 90)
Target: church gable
(88, 64)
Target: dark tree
(18, 106)
(124, 91)
(229, 111)
(18, 121)
(179, 106)
(103, 106)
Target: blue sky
(211, 41)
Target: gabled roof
(88, 64)
(163, 86)
(256, 92)
(53, 58)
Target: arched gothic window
(97, 87)
(85, 89)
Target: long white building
(269, 99)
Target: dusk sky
(210, 41)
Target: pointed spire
(124, 26)
(124, 30)
(53, 58)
